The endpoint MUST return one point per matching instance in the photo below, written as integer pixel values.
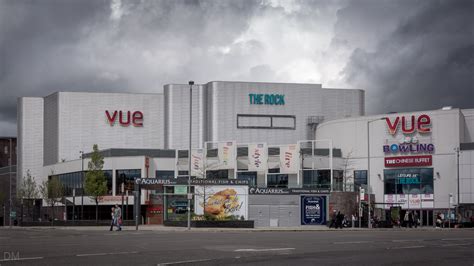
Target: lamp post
(449, 209)
(191, 83)
(369, 225)
(82, 184)
(10, 176)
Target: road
(376, 247)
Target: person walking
(112, 216)
(118, 217)
(339, 219)
(410, 219)
(333, 219)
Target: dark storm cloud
(426, 62)
(408, 55)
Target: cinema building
(280, 154)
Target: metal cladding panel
(82, 122)
(51, 126)
(30, 138)
(177, 116)
(227, 99)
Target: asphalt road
(88, 247)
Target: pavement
(157, 245)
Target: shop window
(250, 176)
(217, 174)
(360, 178)
(320, 179)
(164, 174)
(266, 121)
(278, 180)
(126, 177)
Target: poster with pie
(222, 202)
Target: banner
(414, 201)
(289, 159)
(197, 163)
(221, 201)
(226, 154)
(258, 157)
(313, 210)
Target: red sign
(422, 124)
(404, 161)
(136, 118)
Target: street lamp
(369, 225)
(191, 83)
(82, 184)
(10, 176)
(449, 209)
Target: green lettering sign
(267, 99)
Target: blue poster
(313, 210)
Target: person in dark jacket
(339, 219)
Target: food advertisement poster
(313, 210)
(222, 202)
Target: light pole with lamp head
(191, 83)
(82, 184)
(369, 224)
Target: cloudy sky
(407, 55)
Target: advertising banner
(313, 210)
(289, 159)
(414, 201)
(258, 157)
(407, 161)
(197, 163)
(390, 201)
(427, 201)
(402, 200)
(226, 155)
(221, 201)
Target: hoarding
(313, 210)
(222, 202)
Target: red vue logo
(410, 125)
(125, 118)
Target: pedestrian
(118, 217)
(405, 219)
(339, 220)
(416, 219)
(353, 220)
(112, 216)
(333, 219)
(410, 219)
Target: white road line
(17, 259)
(454, 245)
(182, 262)
(407, 247)
(408, 240)
(456, 239)
(351, 242)
(261, 250)
(109, 253)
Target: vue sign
(422, 124)
(125, 118)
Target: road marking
(454, 245)
(182, 262)
(261, 250)
(408, 240)
(17, 259)
(456, 239)
(408, 247)
(102, 254)
(351, 242)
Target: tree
(28, 190)
(96, 183)
(52, 191)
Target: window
(217, 174)
(75, 180)
(360, 178)
(320, 179)
(266, 121)
(182, 172)
(127, 177)
(164, 174)
(250, 176)
(277, 180)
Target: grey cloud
(426, 62)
